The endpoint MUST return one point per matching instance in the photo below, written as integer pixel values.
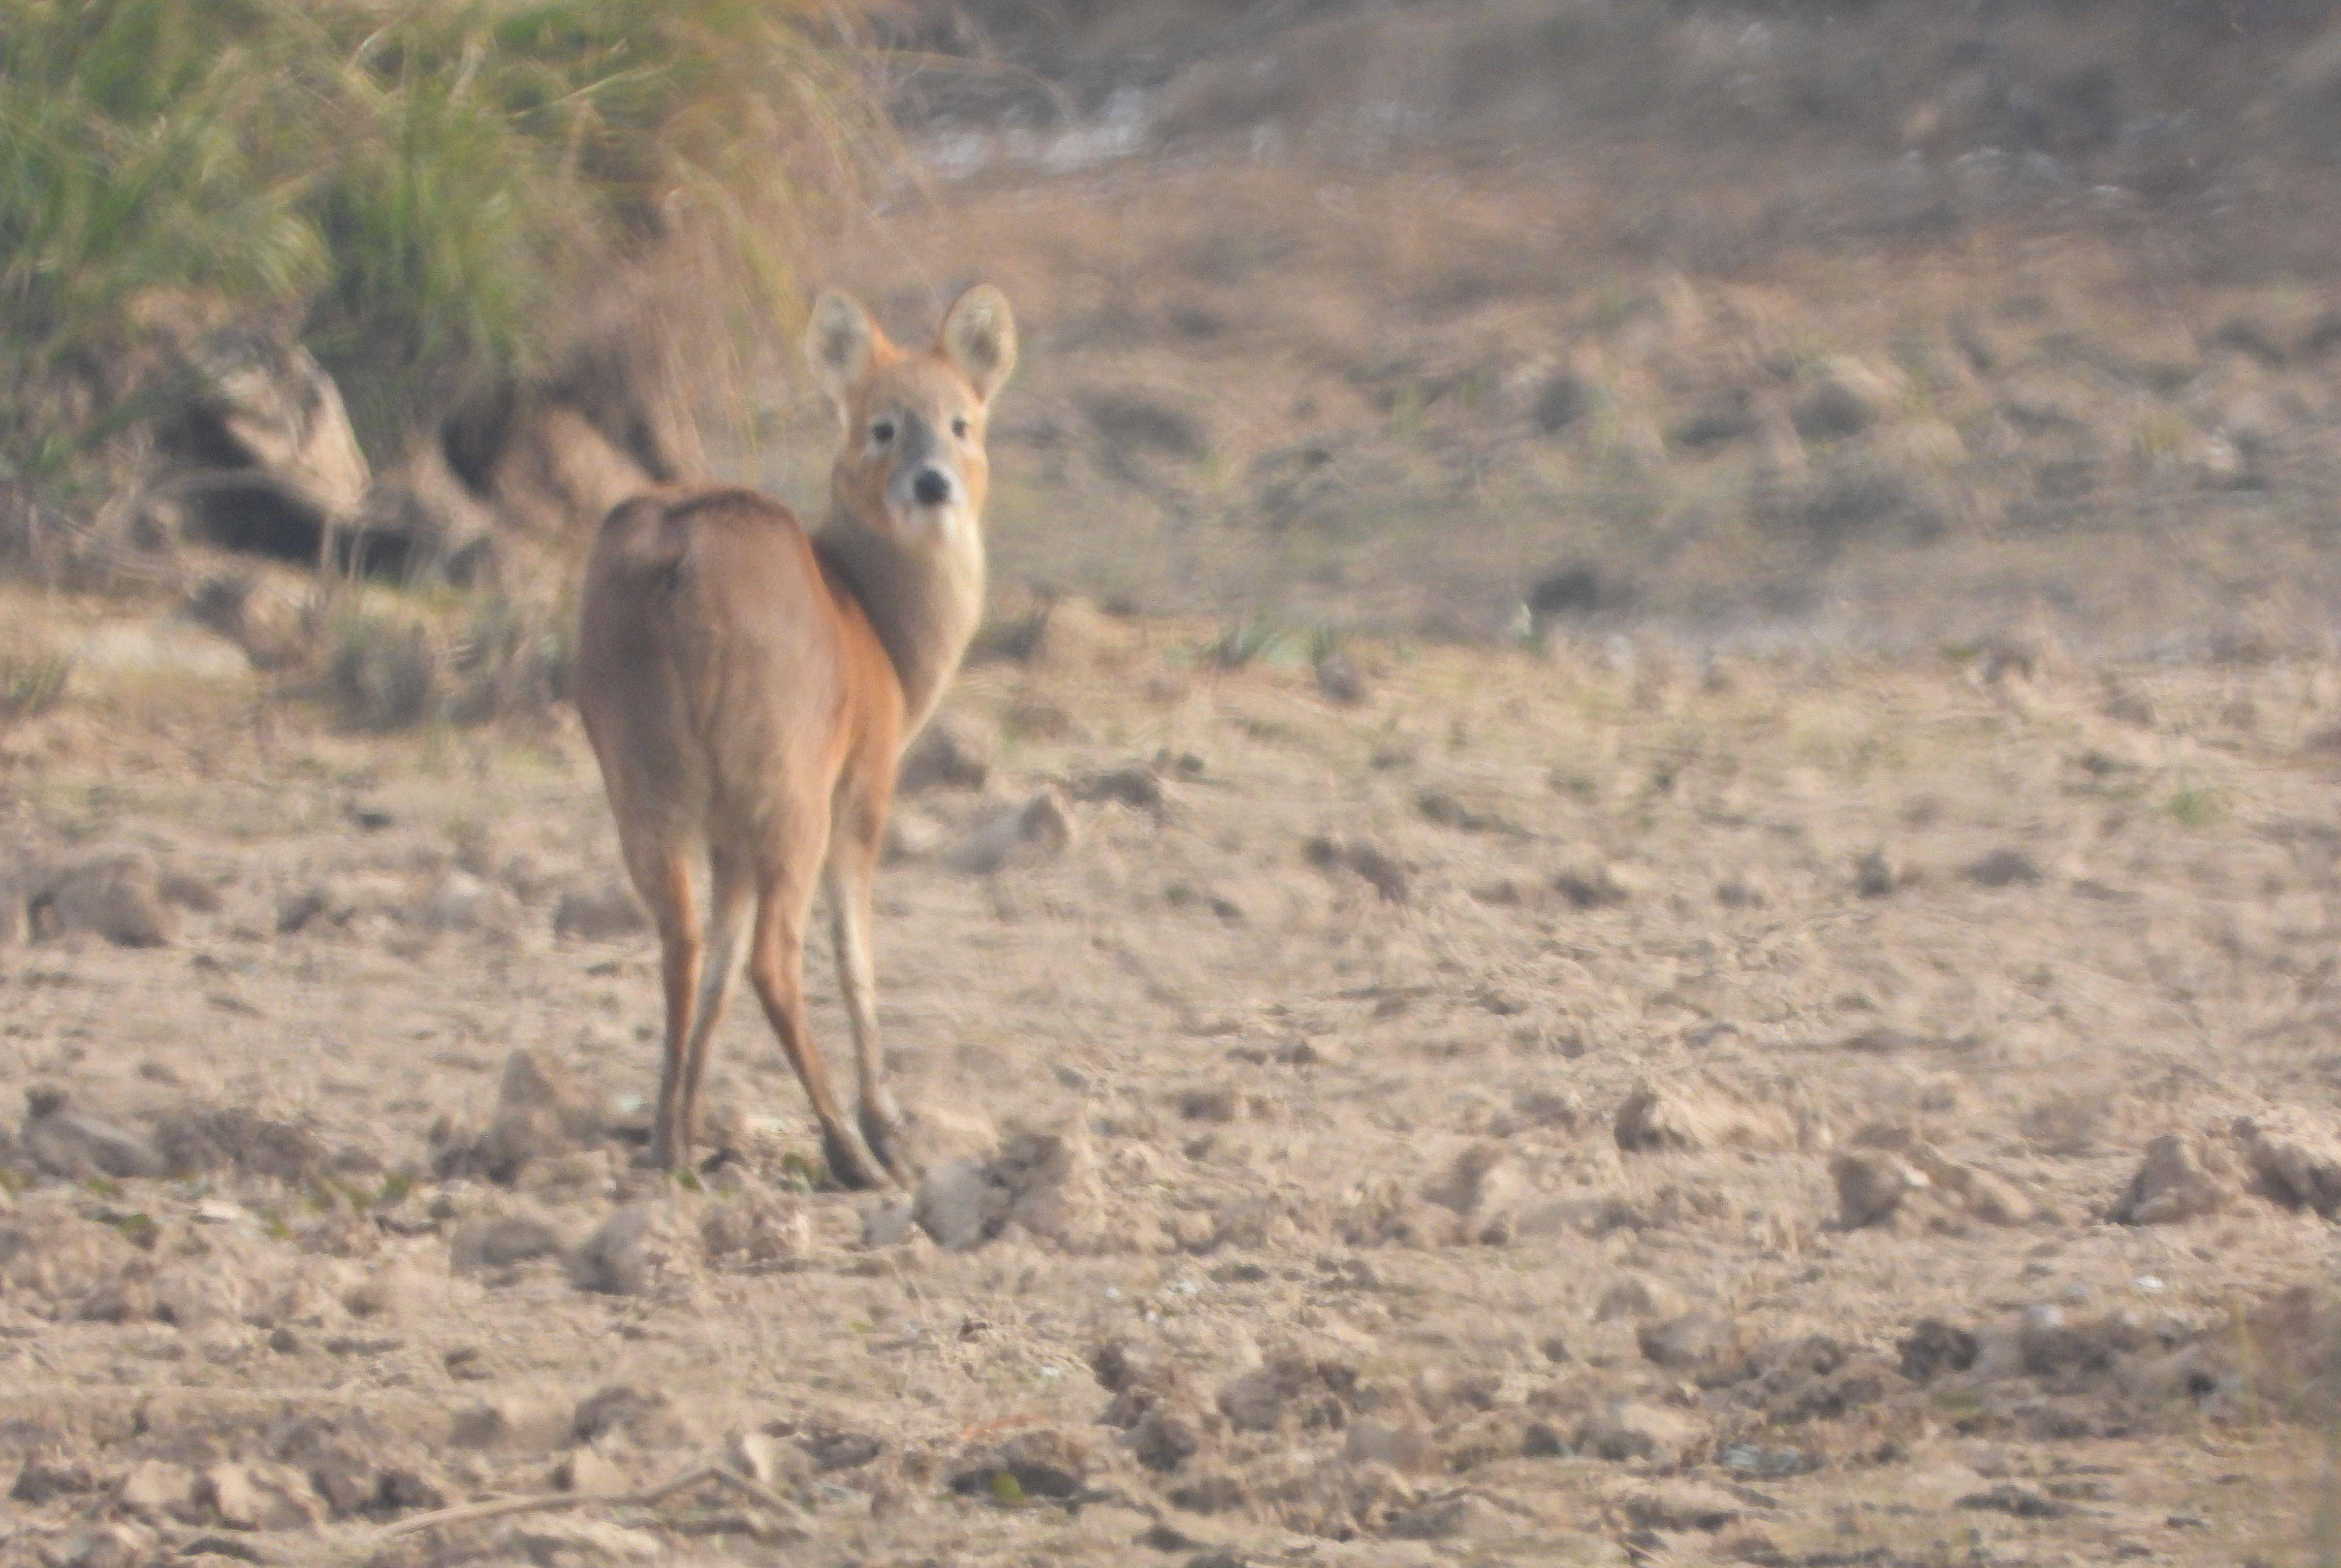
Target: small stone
(116, 897)
(459, 901)
(639, 1247)
(1075, 634)
(1046, 1461)
(1694, 1115)
(1166, 1437)
(2020, 1502)
(1636, 1430)
(42, 1479)
(935, 1135)
(1934, 1347)
(1871, 1185)
(2292, 1162)
(1601, 885)
(757, 1225)
(327, 903)
(1690, 1339)
(1039, 830)
(509, 1422)
(540, 1110)
(1339, 678)
(643, 1416)
(259, 1496)
(74, 1146)
(1845, 398)
(887, 1222)
(2176, 1181)
(1879, 871)
(1403, 1443)
(759, 1456)
(949, 754)
(1684, 1505)
(501, 1241)
(1466, 1517)
(118, 1545)
(958, 1205)
(599, 914)
(2003, 868)
(1384, 872)
(1639, 1296)
(913, 836)
(157, 1489)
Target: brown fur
(748, 688)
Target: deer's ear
(978, 336)
(841, 343)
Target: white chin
(928, 525)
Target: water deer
(749, 686)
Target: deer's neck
(923, 605)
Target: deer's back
(723, 674)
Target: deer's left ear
(978, 336)
(840, 343)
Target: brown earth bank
(1379, 1104)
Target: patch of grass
(1245, 642)
(32, 685)
(428, 185)
(2197, 806)
(512, 660)
(385, 672)
(137, 1228)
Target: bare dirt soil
(1692, 917)
(1575, 1105)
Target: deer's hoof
(882, 1132)
(850, 1161)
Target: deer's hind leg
(731, 902)
(661, 867)
(776, 968)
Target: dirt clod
(2179, 1179)
(116, 897)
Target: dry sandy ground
(1565, 1107)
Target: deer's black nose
(933, 487)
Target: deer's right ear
(841, 341)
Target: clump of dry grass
(385, 672)
(390, 667)
(434, 187)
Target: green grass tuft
(32, 685)
(429, 187)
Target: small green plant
(800, 1174)
(1246, 642)
(137, 1228)
(31, 685)
(1007, 1491)
(2197, 806)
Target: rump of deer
(749, 686)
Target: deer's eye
(958, 427)
(883, 432)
